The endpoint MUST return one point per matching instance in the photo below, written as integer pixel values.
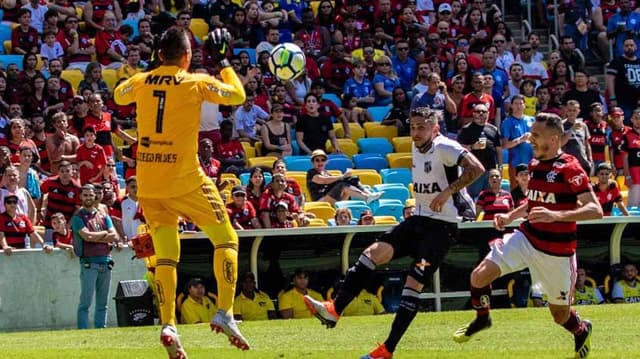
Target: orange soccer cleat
(324, 311)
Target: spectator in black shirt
(623, 80)
(581, 93)
(519, 193)
(313, 129)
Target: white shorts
(552, 275)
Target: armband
(224, 63)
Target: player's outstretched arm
(124, 94)
(229, 91)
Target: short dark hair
(551, 121)
(173, 44)
(21, 12)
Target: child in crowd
(51, 49)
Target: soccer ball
(287, 61)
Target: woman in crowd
(16, 139)
(327, 17)
(399, 114)
(276, 135)
(27, 175)
(476, 30)
(93, 78)
(239, 29)
(461, 67)
(343, 217)
(29, 64)
(255, 187)
(384, 81)
(560, 73)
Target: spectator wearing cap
(616, 136)
(366, 218)
(276, 195)
(293, 187)
(291, 302)
(325, 187)
(16, 230)
(91, 157)
(515, 131)
(94, 235)
(283, 218)
(276, 134)
(197, 307)
(248, 120)
(521, 184)
(251, 303)
(241, 212)
(313, 129)
(607, 191)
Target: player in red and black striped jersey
(63, 194)
(631, 159)
(559, 195)
(607, 191)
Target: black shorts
(425, 239)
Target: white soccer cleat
(171, 342)
(224, 323)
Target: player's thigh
(163, 226)
(400, 237)
(510, 252)
(430, 250)
(555, 275)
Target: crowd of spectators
(455, 55)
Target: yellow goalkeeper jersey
(168, 101)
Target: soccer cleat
(171, 342)
(583, 341)
(463, 334)
(223, 323)
(379, 352)
(325, 311)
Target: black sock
(357, 278)
(406, 312)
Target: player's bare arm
(471, 170)
(590, 209)
(501, 220)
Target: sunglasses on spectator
(494, 176)
(110, 165)
(239, 194)
(325, 7)
(481, 111)
(463, 43)
(604, 174)
(383, 64)
(403, 48)
(319, 160)
(72, 21)
(525, 49)
(498, 41)
(446, 12)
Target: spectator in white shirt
(51, 49)
(248, 119)
(37, 14)
(131, 214)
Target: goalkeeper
(172, 184)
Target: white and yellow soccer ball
(287, 61)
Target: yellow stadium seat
(335, 172)
(40, 63)
(199, 28)
(73, 77)
(402, 144)
(258, 147)
(317, 222)
(410, 202)
(325, 213)
(375, 129)
(621, 183)
(110, 77)
(261, 161)
(411, 193)
(505, 171)
(7, 46)
(356, 131)
(249, 151)
(347, 146)
(79, 11)
(116, 140)
(385, 220)
(402, 159)
(301, 178)
(310, 205)
(368, 177)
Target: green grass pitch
(516, 333)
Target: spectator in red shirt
(336, 70)
(16, 139)
(282, 216)
(24, 38)
(607, 190)
(293, 188)
(104, 125)
(184, 22)
(494, 199)
(62, 236)
(477, 96)
(16, 228)
(241, 212)
(76, 46)
(230, 151)
(91, 158)
(96, 10)
(110, 49)
(256, 187)
(274, 195)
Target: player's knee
(379, 252)
(221, 234)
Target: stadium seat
(375, 145)
(382, 220)
(299, 164)
(505, 185)
(339, 163)
(252, 53)
(11, 59)
(388, 207)
(396, 175)
(374, 129)
(5, 34)
(293, 158)
(73, 77)
(347, 146)
(367, 177)
(110, 77)
(378, 113)
(266, 161)
(7, 47)
(370, 160)
(505, 171)
(200, 29)
(400, 160)
(309, 205)
(323, 212)
(356, 207)
(301, 179)
(355, 130)
(333, 98)
(317, 222)
(249, 151)
(393, 191)
(402, 144)
(622, 185)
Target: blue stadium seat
(338, 163)
(337, 155)
(356, 207)
(372, 161)
(250, 51)
(5, 34)
(11, 59)
(378, 113)
(505, 185)
(396, 175)
(299, 164)
(293, 158)
(393, 191)
(389, 207)
(375, 145)
(333, 98)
